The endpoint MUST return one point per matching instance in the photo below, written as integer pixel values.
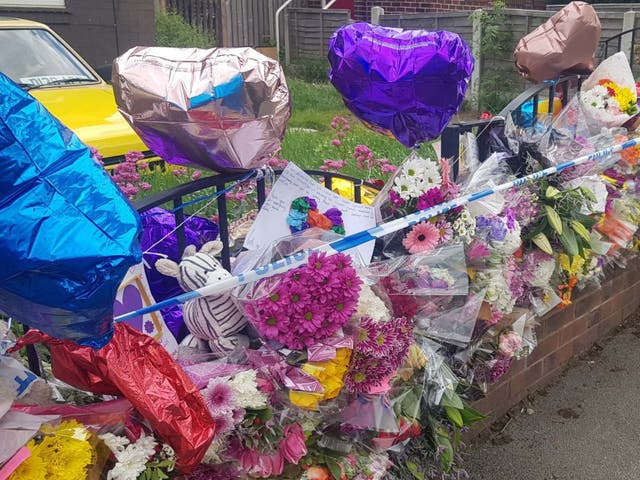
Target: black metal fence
(563, 88)
(175, 197)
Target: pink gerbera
(423, 237)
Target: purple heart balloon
(404, 83)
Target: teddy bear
(215, 319)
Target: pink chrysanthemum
(381, 348)
(423, 237)
(218, 396)
(309, 303)
(444, 231)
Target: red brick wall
(363, 7)
(562, 335)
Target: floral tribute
(309, 304)
(368, 372)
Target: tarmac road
(584, 427)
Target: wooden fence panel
(311, 28)
(199, 13)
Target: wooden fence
(199, 13)
(310, 30)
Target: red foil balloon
(137, 367)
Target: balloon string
(212, 197)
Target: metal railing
(176, 196)
(617, 43)
(549, 91)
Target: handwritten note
(271, 222)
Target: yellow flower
(573, 266)
(32, 468)
(305, 400)
(624, 96)
(64, 453)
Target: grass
(314, 106)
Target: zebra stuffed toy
(215, 319)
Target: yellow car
(38, 60)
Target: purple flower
(499, 367)
(395, 199)
(430, 198)
(218, 396)
(493, 227)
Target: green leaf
(552, 192)
(471, 416)
(569, 242)
(446, 458)
(334, 468)
(451, 399)
(581, 230)
(554, 219)
(454, 415)
(588, 194)
(586, 220)
(456, 437)
(542, 242)
(413, 468)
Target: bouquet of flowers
(608, 96)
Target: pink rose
(293, 446)
(509, 343)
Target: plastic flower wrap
(418, 184)
(381, 348)
(306, 305)
(63, 452)
(608, 96)
(330, 374)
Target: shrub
(173, 31)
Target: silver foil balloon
(224, 109)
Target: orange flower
(317, 219)
(318, 473)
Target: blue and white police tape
(365, 236)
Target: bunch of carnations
(308, 304)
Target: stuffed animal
(215, 319)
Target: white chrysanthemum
(431, 175)
(414, 167)
(597, 97)
(246, 391)
(370, 305)
(131, 461)
(114, 442)
(543, 273)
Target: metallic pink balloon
(222, 109)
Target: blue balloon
(68, 235)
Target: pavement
(586, 426)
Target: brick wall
(88, 25)
(562, 335)
(363, 7)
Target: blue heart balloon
(68, 234)
(403, 83)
